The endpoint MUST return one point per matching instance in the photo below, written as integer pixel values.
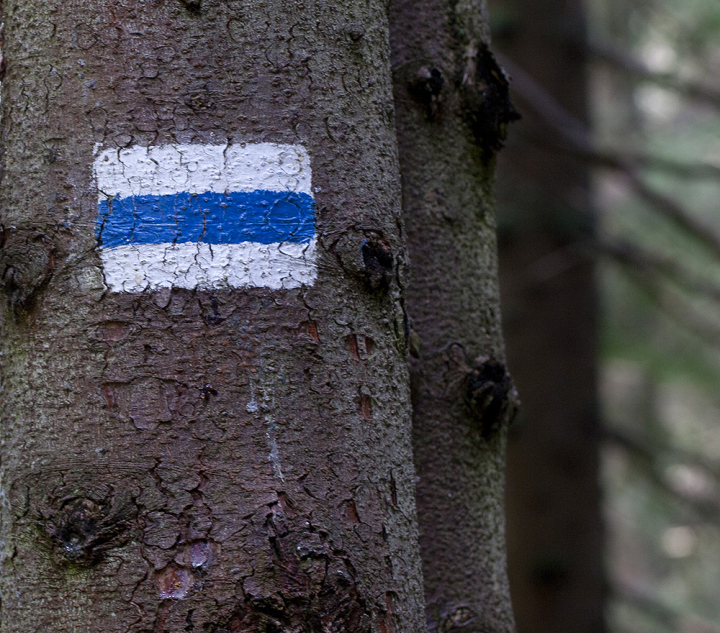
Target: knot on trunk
(378, 262)
(27, 258)
(485, 93)
(491, 394)
(368, 256)
(458, 619)
(83, 528)
(191, 5)
(425, 83)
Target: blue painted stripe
(266, 217)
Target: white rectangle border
(196, 168)
(148, 267)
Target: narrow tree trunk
(555, 535)
(207, 448)
(452, 108)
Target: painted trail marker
(206, 216)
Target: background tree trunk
(452, 108)
(213, 459)
(555, 535)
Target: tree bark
(555, 532)
(213, 458)
(452, 109)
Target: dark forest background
(609, 228)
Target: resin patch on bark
(206, 216)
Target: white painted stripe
(167, 169)
(139, 268)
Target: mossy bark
(452, 109)
(207, 460)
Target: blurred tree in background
(616, 166)
(550, 314)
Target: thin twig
(664, 615)
(676, 306)
(707, 510)
(648, 604)
(674, 211)
(631, 254)
(575, 133)
(652, 450)
(668, 165)
(667, 616)
(627, 62)
(613, 159)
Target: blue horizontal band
(265, 217)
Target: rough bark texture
(555, 545)
(452, 110)
(199, 460)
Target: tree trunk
(452, 109)
(194, 439)
(555, 534)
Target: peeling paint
(205, 216)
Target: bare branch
(673, 210)
(675, 305)
(668, 617)
(614, 159)
(654, 450)
(575, 133)
(569, 126)
(647, 456)
(630, 64)
(664, 615)
(631, 254)
(683, 169)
